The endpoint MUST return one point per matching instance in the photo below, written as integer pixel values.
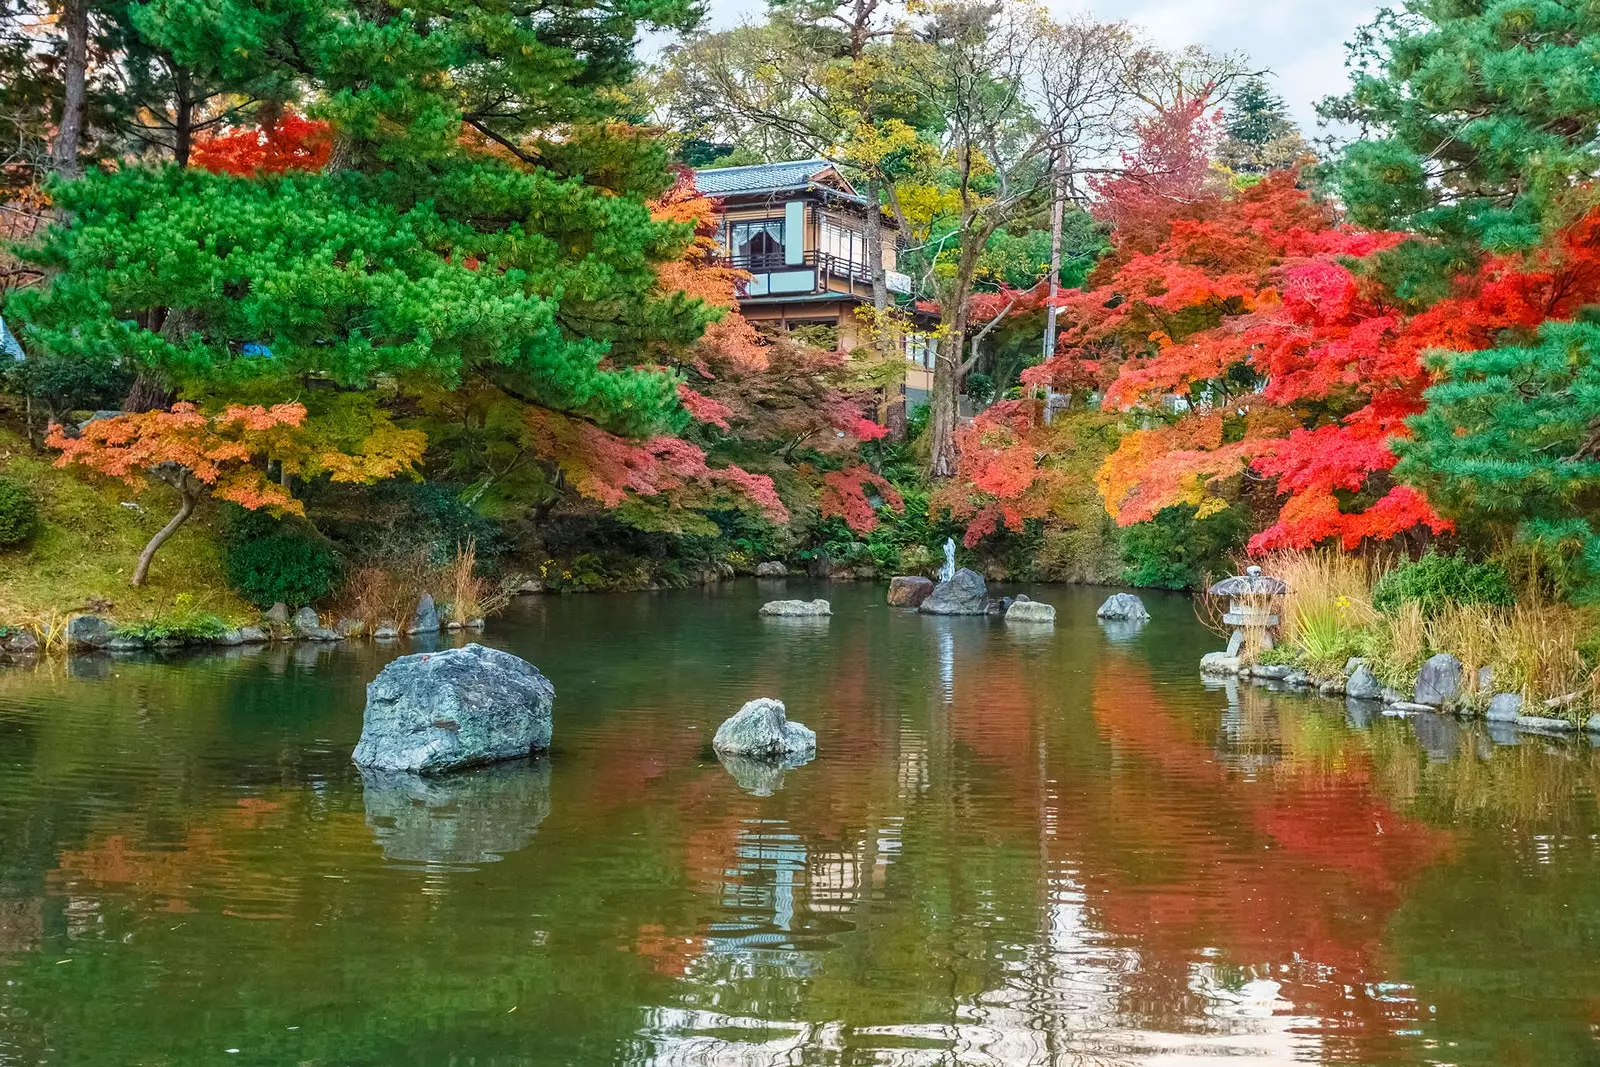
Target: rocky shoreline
(88, 634)
(1437, 690)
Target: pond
(1017, 846)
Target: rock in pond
(909, 591)
(1030, 611)
(425, 620)
(771, 569)
(1123, 606)
(434, 712)
(1363, 684)
(964, 594)
(87, 632)
(1439, 681)
(761, 730)
(796, 609)
(1219, 663)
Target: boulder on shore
(425, 620)
(771, 569)
(1030, 611)
(434, 712)
(87, 632)
(796, 609)
(964, 594)
(1439, 681)
(1123, 606)
(909, 591)
(1363, 684)
(761, 730)
(308, 626)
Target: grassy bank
(88, 536)
(1509, 636)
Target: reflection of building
(799, 228)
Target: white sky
(1300, 41)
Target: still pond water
(1017, 846)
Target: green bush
(280, 563)
(1436, 581)
(184, 621)
(19, 515)
(1175, 550)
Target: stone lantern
(1251, 599)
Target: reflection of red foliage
(1300, 870)
(289, 143)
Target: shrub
(1435, 582)
(1175, 550)
(19, 515)
(184, 621)
(286, 565)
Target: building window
(754, 244)
(846, 247)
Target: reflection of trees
(1073, 854)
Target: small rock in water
(308, 626)
(771, 569)
(909, 591)
(425, 620)
(1219, 663)
(964, 594)
(792, 609)
(386, 631)
(1271, 671)
(430, 713)
(1123, 606)
(761, 730)
(1298, 679)
(1030, 611)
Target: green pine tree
(1510, 444)
(1476, 119)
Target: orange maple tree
(227, 455)
(285, 142)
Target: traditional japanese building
(799, 228)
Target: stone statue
(948, 571)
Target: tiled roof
(758, 177)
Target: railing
(826, 264)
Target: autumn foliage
(287, 142)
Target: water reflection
(760, 778)
(459, 820)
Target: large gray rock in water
(771, 569)
(1439, 681)
(425, 620)
(796, 609)
(1123, 606)
(1030, 611)
(909, 591)
(964, 594)
(761, 730)
(86, 632)
(434, 712)
(464, 819)
(1363, 684)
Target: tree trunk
(65, 149)
(189, 499)
(1058, 205)
(943, 411)
(894, 414)
(182, 118)
(147, 394)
